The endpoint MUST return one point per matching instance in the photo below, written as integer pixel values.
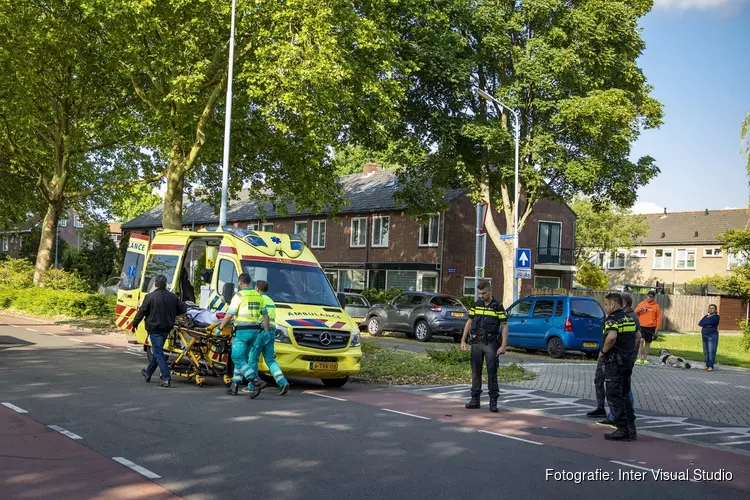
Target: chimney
(369, 168)
(696, 234)
(706, 211)
(665, 210)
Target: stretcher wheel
(227, 380)
(199, 381)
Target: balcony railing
(555, 255)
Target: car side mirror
(342, 299)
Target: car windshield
(446, 301)
(356, 301)
(292, 283)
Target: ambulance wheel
(335, 382)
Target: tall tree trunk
(172, 216)
(49, 229)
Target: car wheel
(374, 327)
(335, 382)
(555, 348)
(422, 331)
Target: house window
(255, 226)
(402, 280)
(470, 285)
(736, 260)
(599, 259)
(358, 236)
(662, 258)
(351, 280)
(318, 234)
(549, 282)
(62, 222)
(617, 260)
(548, 244)
(427, 281)
(300, 229)
(77, 222)
(268, 227)
(5, 243)
(712, 252)
(380, 230)
(685, 258)
(428, 232)
(639, 253)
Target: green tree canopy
(128, 203)
(605, 227)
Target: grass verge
(381, 365)
(690, 346)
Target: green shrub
(16, 273)
(375, 296)
(591, 276)
(745, 340)
(468, 301)
(450, 356)
(59, 279)
(45, 302)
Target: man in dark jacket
(160, 308)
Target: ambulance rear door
(128, 294)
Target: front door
(128, 293)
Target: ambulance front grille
(321, 339)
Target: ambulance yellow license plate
(589, 344)
(329, 367)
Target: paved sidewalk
(38, 462)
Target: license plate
(458, 315)
(589, 344)
(329, 367)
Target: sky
(697, 58)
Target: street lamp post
(517, 137)
(227, 128)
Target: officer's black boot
(473, 404)
(233, 388)
(621, 434)
(258, 385)
(599, 412)
(633, 433)
(493, 405)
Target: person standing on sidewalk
(486, 319)
(649, 316)
(160, 308)
(710, 333)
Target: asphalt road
(207, 445)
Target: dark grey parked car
(420, 315)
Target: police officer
(265, 342)
(245, 310)
(617, 354)
(486, 319)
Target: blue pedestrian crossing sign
(523, 263)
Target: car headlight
(356, 341)
(282, 335)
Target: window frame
(428, 274)
(559, 281)
(265, 227)
(474, 287)
(671, 259)
(253, 226)
(296, 231)
(381, 218)
(552, 309)
(639, 253)
(687, 253)
(319, 223)
(6, 242)
(539, 233)
(612, 259)
(428, 225)
(62, 221)
(362, 234)
(714, 254)
(77, 224)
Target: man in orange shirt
(649, 316)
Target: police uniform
(618, 368)
(486, 325)
(247, 316)
(264, 345)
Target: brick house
(69, 228)
(373, 243)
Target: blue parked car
(557, 323)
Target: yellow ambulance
(315, 338)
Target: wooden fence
(680, 313)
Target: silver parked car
(356, 307)
(110, 286)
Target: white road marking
(663, 425)
(50, 334)
(14, 326)
(407, 414)
(102, 346)
(324, 396)
(699, 433)
(14, 408)
(734, 443)
(631, 465)
(133, 353)
(64, 432)
(523, 398)
(32, 330)
(573, 415)
(566, 407)
(511, 437)
(739, 436)
(136, 467)
(75, 340)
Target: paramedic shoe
(473, 404)
(258, 385)
(233, 388)
(166, 383)
(284, 390)
(146, 375)
(618, 435)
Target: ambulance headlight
(356, 340)
(282, 335)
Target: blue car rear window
(586, 309)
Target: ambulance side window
(132, 269)
(227, 275)
(160, 264)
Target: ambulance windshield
(292, 283)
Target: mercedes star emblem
(325, 338)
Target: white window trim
(362, 233)
(77, 222)
(253, 226)
(612, 257)
(5, 243)
(421, 233)
(62, 221)
(387, 234)
(429, 274)
(672, 259)
(686, 250)
(313, 243)
(463, 290)
(639, 253)
(548, 277)
(296, 225)
(713, 255)
(265, 227)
